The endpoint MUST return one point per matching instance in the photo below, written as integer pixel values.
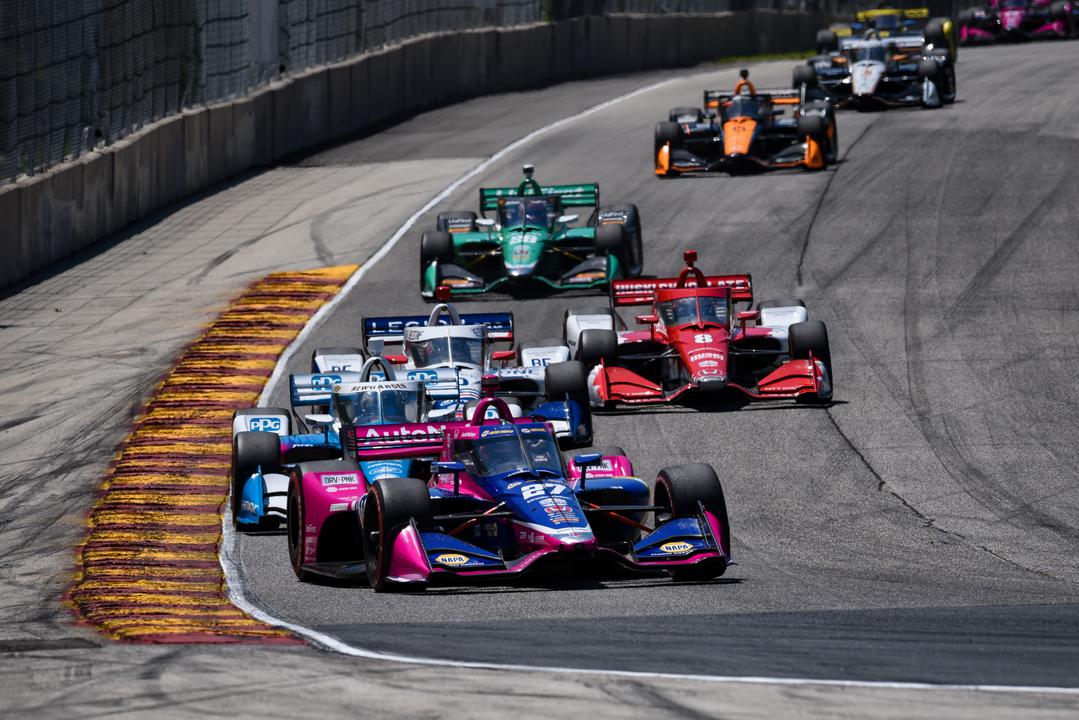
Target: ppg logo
(265, 424)
(324, 382)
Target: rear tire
(804, 75)
(570, 379)
(391, 503)
(611, 241)
(808, 337)
(634, 237)
(691, 114)
(597, 345)
(666, 132)
(683, 489)
(444, 220)
(295, 528)
(827, 42)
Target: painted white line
(230, 562)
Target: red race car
(695, 340)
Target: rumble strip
(148, 569)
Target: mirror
(568, 218)
(396, 359)
(499, 355)
(586, 459)
(745, 315)
(485, 222)
(319, 419)
(650, 319)
(446, 466)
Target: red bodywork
(703, 348)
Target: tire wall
(49, 217)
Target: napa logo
(451, 559)
(676, 548)
(265, 424)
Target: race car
(492, 497)
(1011, 20)
(747, 130)
(267, 441)
(530, 244)
(878, 73)
(451, 352)
(695, 342)
(888, 22)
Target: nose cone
(865, 76)
(522, 253)
(738, 136)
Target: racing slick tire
(249, 451)
(613, 240)
(827, 41)
(570, 379)
(781, 302)
(445, 220)
(808, 337)
(680, 114)
(390, 503)
(937, 33)
(596, 344)
(295, 527)
(683, 489)
(804, 75)
(634, 237)
(435, 245)
(928, 68)
(1060, 11)
(966, 17)
(816, 127)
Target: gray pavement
(945, 479)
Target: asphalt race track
(925, 527)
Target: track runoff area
(893, 538)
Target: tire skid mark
(148, 568)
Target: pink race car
(492, 497)
(1010, 20)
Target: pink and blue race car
(490, 497)
(1010, 20)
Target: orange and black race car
(747, 130)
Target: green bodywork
(531, 250)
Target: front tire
(684, 490)
(296, 528)
(391, 503)
(810, 337)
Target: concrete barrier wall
(50, 217)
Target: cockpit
(876, 53)
(700, 310)
(742, 106)
(527, 212)
(511, 449)
(381, 407)
(447, 350)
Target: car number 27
(536, 489)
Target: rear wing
(318, 389)
(582, 195)
(780, 96)
(642, 292)
(899, 41)
(397, 441)
(907, 13)
(392, 329)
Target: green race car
(530, 244)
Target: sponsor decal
(330, 489)
(549, 502)
(339, 507)
(402, 432)
(708, 363)
(311, 528)
(324, 382)
(264, 424)
(249, 507)
(451, 559)
(340, 479)
(676, 548)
